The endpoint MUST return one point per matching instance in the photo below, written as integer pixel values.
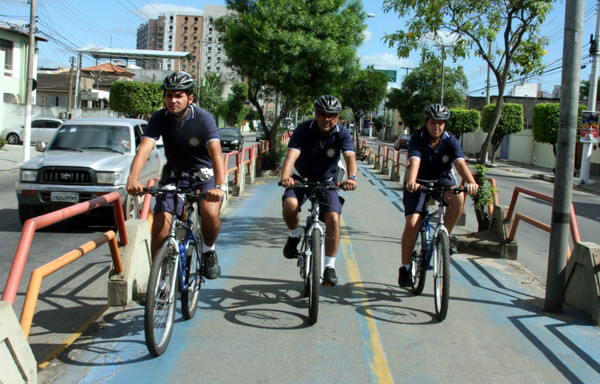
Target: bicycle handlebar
(189, 194)
(437, 188)
(313, 184)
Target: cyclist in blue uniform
(192, 146)
(432, 153)
(313, 153)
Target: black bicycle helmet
(328, 104)
(178, 81)
(437, 111)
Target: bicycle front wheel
(418, 265)
(314, 276)
(441, 287)
(159, 314)
(192, 281)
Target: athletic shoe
(452, 243)
(329, 277)
(210, 268)
(290, 250)
(404, 279)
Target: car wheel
(131, 208)
(12, 138)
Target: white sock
(295, 232)
(407, 266)
(329, 261)
(206, 248)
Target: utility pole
(565, 157)
(78, 75)
(489, 71)
(442, 90)
(29, 87)
(70, 99)
(586, 153)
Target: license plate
(65, 197)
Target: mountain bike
(312, 248)
(177, 266)
(432, 249)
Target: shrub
(546, 122)
(511, 121)
(463, 121)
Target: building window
(6, 46)
(195, 19)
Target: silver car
(86, 158)
(42, 129)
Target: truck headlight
(110, 178)
(28, 176)
(234, 142)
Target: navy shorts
(329, 200)
(165, 203)
(414, 201)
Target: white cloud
(385, 61)
(154, 10)
(368, 36)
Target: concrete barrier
(131, 284)
(16, 357)
(582, 280)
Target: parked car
(260, 134)
(402, 142)
(42, 129)
(86, 158)
(231, 138)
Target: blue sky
(83, 23)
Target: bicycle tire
(192, 279)
(159, 314)
(418, 266)
(441, 287)
(314, 276)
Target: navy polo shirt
(318, 160)
(435, 163)
(185, 147)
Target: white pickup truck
(84, 159)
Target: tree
(135, 99)
(209, 93)
(505, 34)
(234, 110)
(422, 86)
(463, 121)
(584, 91)
(511, 121)
(362, 92)
(298, 49)
(545, 122)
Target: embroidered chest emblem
(330, 152)
(445, 159)
(194, 141)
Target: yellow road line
(69, 340)
(378, 362)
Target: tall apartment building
(187, 32)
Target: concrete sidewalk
(11, 157)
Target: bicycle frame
(438, 225)
(312, 222)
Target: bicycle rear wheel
(192, 281)
(441, 273)
(418, 266)
(314, 276)
(159, 314)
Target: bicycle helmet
(328, 104)
(178, 81)
(437, 111)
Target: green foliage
(546, 122)
(273, 158)
(505, 34)
(296, 49)
(209, 92)
(134, 98)
(422, 86)
(363, 90)
(511, 121)
(3, 142)
(485, 195)
(463, 121)
(584, 90)
(234, 110)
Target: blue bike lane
(251, 325)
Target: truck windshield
(91, 137)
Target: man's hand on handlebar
(349, 185)
(214, 195)
(287, 182)
(472, 188)
(134, 187)
(412, 186)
